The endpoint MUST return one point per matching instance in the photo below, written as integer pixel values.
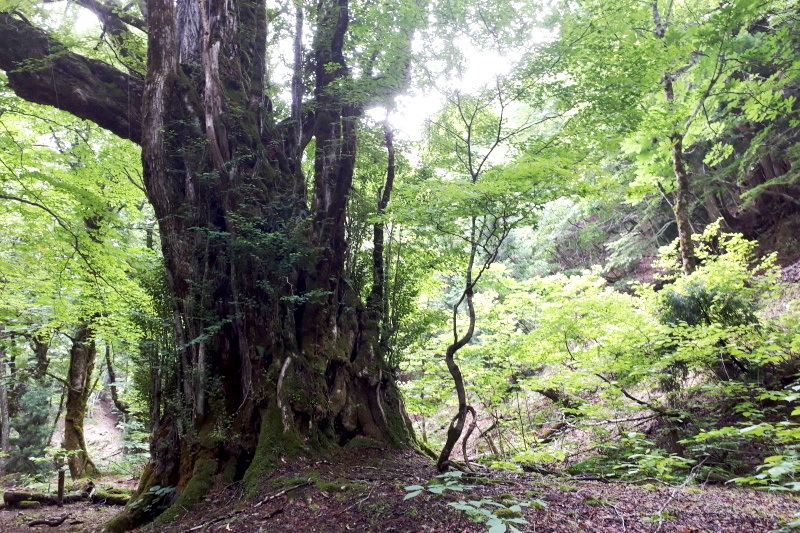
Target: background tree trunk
(121, 406)
(4, 417)
(81, 366)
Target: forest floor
(362, 490)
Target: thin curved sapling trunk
(490, 244)
(457, 423)
(121, 406)
(473, 144)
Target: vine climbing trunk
(82, 357)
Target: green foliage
(499, 517)
(650, 461)
(695, 361)
(438, 485)
(155, 500)
(30, 433)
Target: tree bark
(81, 366)
(681, 207)
(40, 346)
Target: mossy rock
(80, 485)
(28, 505)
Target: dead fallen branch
(52, 522)
(281, 493)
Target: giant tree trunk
(81, 366)
(276, 354)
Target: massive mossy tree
(275, 351)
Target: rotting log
(14, 498)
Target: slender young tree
(468, 135)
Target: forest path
(362, 490)
(100, 428)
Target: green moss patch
(28, 505)
(202, 480)
(273, 443)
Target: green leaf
(498, 528)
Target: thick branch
(112, 17)
(43, 71)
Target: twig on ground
(281, 493)
(359, 502)
(211, 522)
(52, 522)
(621, 517)
(675, 492)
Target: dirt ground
(362, 490)
(103, 437)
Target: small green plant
(793, 525)
(498, 517)
(437, 485)
(659, 517)
(650, 461)
(154, 500)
